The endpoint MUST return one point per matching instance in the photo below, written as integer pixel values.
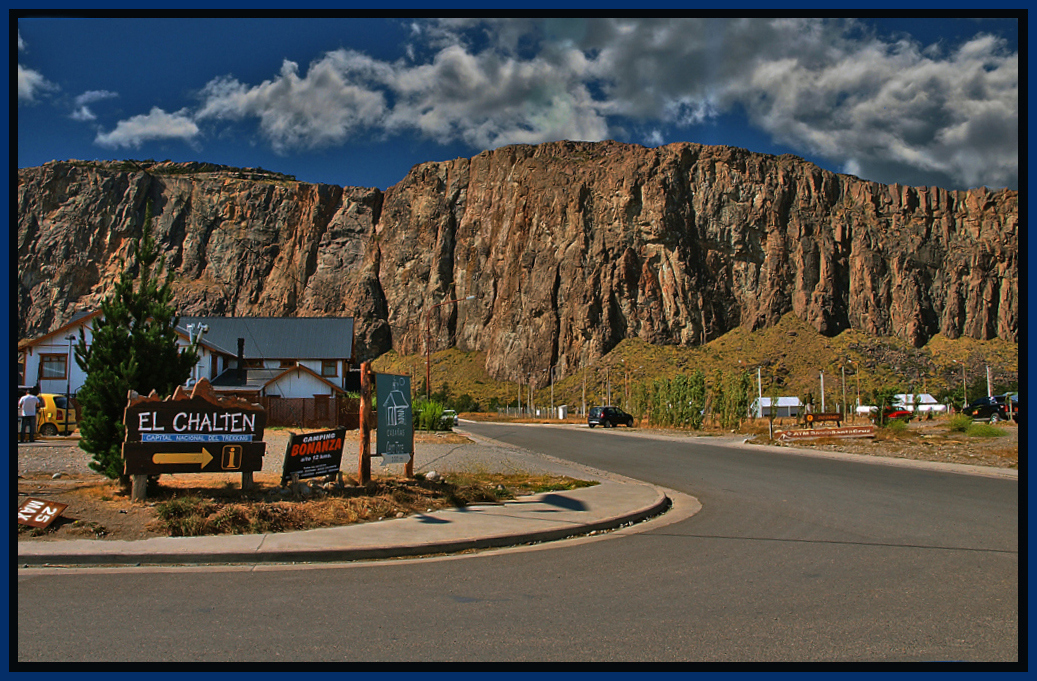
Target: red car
(897, 413)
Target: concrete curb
(358, 542)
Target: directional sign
(201, 458)
(197, 433)
(147, 458)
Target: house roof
(920, 398)
(782, 402)
(277, 337)
(258, 379)
(77, 318)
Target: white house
(785, 407)
(259, 356)
(923, 402)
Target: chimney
(241, 359)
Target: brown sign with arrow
(197, 433)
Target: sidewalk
(614, 502)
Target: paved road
(791, 558)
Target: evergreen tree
(133, 348)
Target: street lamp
(68, 384)
(428, 341)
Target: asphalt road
(791, 558)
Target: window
(329, 367)
(253, 364)
(288, 363)
(53, 366)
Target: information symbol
(231, 457)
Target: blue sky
(358, 102)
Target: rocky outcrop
(567, 247)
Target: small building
(786, 407)
(922, 402)
(302, 362)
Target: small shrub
(896, 427)
(984, 430)
(959, 423)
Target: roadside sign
(39, 512)
(197, 433)
(312, 455)
(395, 419)
(844, 432)
(836, 418)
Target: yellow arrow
(203, 457)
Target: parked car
(609, 416)
(450, 416)
(50, 417)
(994, 409)
(897, 413)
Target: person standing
(27, 407)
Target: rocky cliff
(567, 247)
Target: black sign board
(196, 433)
(313, 455)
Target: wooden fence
(312, 412)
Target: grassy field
(790, 354)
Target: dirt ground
(98, 508)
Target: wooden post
(364, 471)
(139, 489)
(246, 480)
(408, 470)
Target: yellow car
(50, 417)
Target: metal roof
(782, 402)
(278, 337)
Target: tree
(133, 348)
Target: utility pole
(822, 391)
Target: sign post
(197, 433)
(364, 467)
(395, 443)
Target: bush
(959, 423)
(428, 415)
(984, 430)
(896, 426)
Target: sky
(359, 102)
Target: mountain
(567, 247)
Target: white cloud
(325, 107)
(30, 83)
(82, 111)
(885, 107)
(155, 125)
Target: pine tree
(133, 348)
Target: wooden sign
(395, 434)
(39, 512)
(197, 433)
(849, 431)
(836, 418)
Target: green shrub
(959, 423)
(984, 430)
(428, 415)
(896, 426)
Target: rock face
(567, 247)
